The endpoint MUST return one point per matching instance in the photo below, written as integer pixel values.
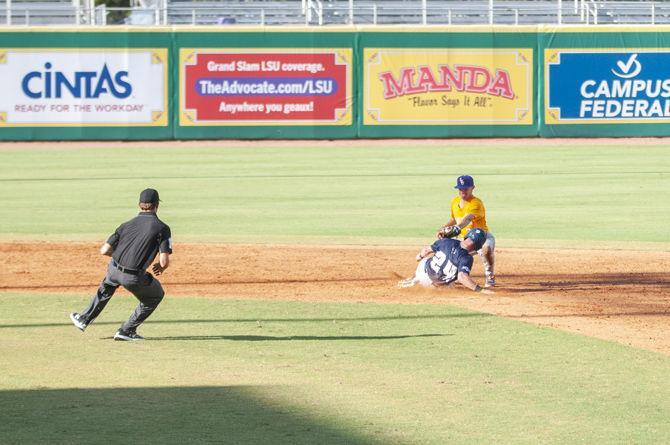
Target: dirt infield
(614, 295)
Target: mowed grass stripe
(389, 175)
(328, 372)
(580, 193)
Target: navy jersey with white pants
(442, 268)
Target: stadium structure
(332, 12)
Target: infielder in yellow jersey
(468, 212)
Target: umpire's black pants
(144, 286)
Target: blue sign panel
(585, 86)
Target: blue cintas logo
(609, 86)
(49, 84)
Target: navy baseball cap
(464, 182)
(149, 196)
(478, 236)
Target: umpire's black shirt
(136, 242)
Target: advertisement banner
(448, 86)
(265, 86)
(61, 87)
(607, 86)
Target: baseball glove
(449, 232)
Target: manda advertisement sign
(448, 86)
(83, 87)
(265, 86)
(607, 86)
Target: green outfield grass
(245, 372)
(357, 195)
(254, 372)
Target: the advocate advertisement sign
(83, 87)
(607, 86)
(265, 86)
(448, 86)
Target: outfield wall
(333, 82)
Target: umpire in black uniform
(133, 247)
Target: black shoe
(127, 336)
(78, 322)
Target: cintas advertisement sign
(265, 87)
(83, 87)
(607, 86)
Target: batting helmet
(478, 237)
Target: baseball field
(282, 323)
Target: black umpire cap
(149, 196)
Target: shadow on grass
(175, 415)
(263, 320)
(293, 337)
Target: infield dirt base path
(613, 295)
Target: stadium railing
(335, 12)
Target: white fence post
(351, 12)
(374, 13)
(9, 12)
(490, 12)
(424, 6)
(449, 17)
(560, 12)
(588, 14)
(653, 13)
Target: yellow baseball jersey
(475, 207)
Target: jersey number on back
(450, 268)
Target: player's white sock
(488, 266)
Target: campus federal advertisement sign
(448, 86)
(58, 87)
(265, 86)
(601, 86)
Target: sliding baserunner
(446, 261)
